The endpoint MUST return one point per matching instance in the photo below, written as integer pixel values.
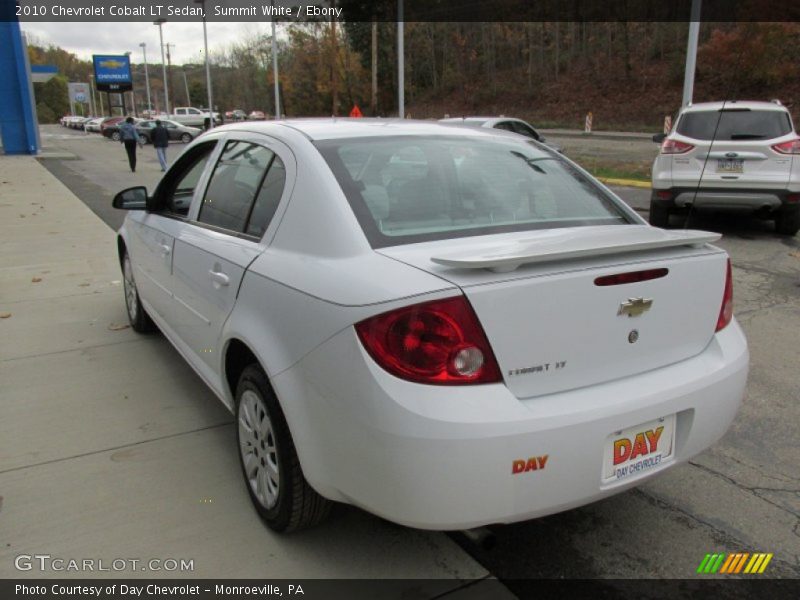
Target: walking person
(161, 143)
(130, 138)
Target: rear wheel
(186, 138)
(787, 221)
(115, 136)
(279, 491)
(138, 317)
(145, 139)
(659, 213)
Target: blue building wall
(18, 127)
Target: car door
(172, 131)
(152, 233)
(223, 236)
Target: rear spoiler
(565, 244)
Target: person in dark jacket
(130, 138)
(161, 142)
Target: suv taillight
(726, 311)
(790, 147)
(669, 146)
(439, 342)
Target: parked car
(505, 123)
(175, 130)
(93, 125)
(445, 326)
(109, 123)
(256, 115)
(112, 131)
(729, 155)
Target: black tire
(137, 316)
(186, 138)
(115, 136)
(145, 139)
(659, 214)
(787, 221)
(295, 505)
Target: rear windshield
(408, 189)
(738, 124)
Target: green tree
(54, 95)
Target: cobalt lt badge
(635, 307)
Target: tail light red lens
(726, 311)
(790, 147)
(631, 277)
(669, 146)
(439, 343)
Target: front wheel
(115, 136)
(186, 138)
(280, 493)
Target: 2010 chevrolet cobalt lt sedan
(447, 327)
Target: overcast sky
(85, 39)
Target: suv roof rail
(776, 101)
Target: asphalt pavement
(109, 444)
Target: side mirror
(659, 137)
(134, 198)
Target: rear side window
(408, 189)
(268, 198)
(735, 124)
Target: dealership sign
(79, 93)
(112, 73)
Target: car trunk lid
(553, 328)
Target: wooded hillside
(630, 75)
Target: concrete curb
(625, 182)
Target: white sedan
(448, 327)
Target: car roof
(338, 128)
(731, 104)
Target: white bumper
(441, 457)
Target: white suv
(729, 155)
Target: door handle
(219, 278)
(165, 249)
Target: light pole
(202, 3)
(146, 79)
(401, 66)
(133, 99)
(275, 68)
(160, 22)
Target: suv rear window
(735, 124)
(407, 189)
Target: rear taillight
(439, 342)
(726, 311)
(674, 147)
(790, 147)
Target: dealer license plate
(635, 450)
(730, 165)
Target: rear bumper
(727, 199)
(442, 457)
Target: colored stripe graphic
(703, 563)
(734, 563)
(764, 564)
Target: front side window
(407, 189)
(734, 124)
(176, 190)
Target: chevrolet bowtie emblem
(635, 307)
